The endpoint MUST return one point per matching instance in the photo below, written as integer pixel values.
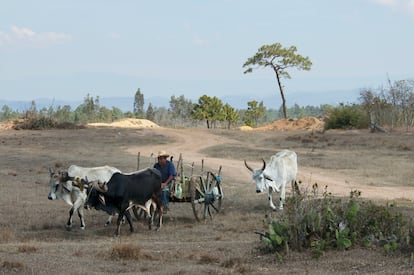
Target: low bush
(40, 122)
(315, 222)
(347, 117)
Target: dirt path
(339, 184)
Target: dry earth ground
(33, 238)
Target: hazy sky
(68, 49)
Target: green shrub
(315, 222)
(347, 117)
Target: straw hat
(163, 153)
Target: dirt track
(339, 184)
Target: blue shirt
(167, 170)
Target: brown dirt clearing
(33, 238)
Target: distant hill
(237, 102)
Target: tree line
(210, 112)
(390, 107)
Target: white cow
(273, 177)
(71, 191)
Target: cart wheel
(206, 196)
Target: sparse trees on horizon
(387, 107)
(139, 104)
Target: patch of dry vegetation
(128, 252)
(7, 235)
(26, 248)
(11, 266)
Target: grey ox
(274, 176)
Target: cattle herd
(108, 189)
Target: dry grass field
(34, 240)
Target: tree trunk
(282, 95)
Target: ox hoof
(82, 227)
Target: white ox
(100, 173)
(273, 177)
(71, 191)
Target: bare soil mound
(8, 125)
(128, 123)
(306, 123)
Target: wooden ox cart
(203, 189)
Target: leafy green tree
(254, 112)
(161, 116)
(88, 110)
(279, 59)
(7, 113)
(64, 113)
(139, 104)
(116, 113)
(230, 115)
(209, 109)
(150, 114)
(104, 115)
(296, 111)
(180, 109)
(129, 114)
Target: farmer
(168, 174)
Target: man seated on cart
(168, 174)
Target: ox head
(260, 177)
(57, 178)
(96, 191)
(60, 182)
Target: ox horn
(101, 187)
(264, 165)
(247, 166)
